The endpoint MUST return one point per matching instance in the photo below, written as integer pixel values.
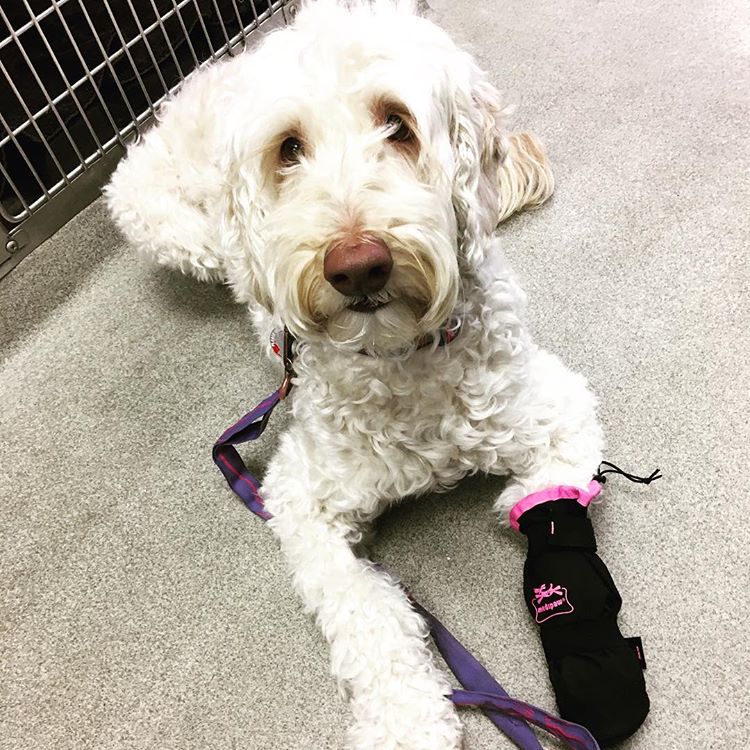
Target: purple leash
(250, 427)
(481, 690)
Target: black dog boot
(595, 672)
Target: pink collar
(442, 336)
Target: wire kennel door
(78, 78)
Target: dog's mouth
(367, 305)
(382, 323)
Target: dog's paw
(405, 717)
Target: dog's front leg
(596, 674)
(378, 643)
(559, 441)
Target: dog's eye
(291, 151)
(398, 130)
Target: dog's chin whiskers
(368, 304)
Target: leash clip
(287, 357)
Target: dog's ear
(244, 204)
(476, 138)
(165, 193)
(525, 178)
(496, 173)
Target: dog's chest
(439, 416)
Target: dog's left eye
(291, 151)
(398, 130)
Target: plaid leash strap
(481, 690)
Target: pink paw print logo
(550, 600)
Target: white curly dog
(346, 178)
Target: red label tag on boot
(637, 645)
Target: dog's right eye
(291, 151)
(398, 130)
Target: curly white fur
(206, 191)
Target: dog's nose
(358, 269)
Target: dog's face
(354, 211)
(343, 171)
(343, 175)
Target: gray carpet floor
(144, 607)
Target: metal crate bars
(78, 78)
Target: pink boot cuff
(562, 492)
